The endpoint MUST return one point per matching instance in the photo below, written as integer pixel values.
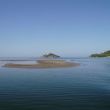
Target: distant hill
(104, 54)
(51, 55)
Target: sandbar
(41, 65)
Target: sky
(69, 28)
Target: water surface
(86, 87)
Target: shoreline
(41, 65)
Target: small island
(104, 54)
(51, 55)
(46, 61)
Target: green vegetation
(51, 55)
(104, 54)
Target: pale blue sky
(66, 27)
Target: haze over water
(86, 87)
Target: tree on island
(51, 55)
(104, 54)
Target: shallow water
(86, 87)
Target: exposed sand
(41, 65)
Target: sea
(85, 87)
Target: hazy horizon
(69, 28)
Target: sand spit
(43, 64)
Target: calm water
(86, 87)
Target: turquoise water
(86, 87)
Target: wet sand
(41, 65)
